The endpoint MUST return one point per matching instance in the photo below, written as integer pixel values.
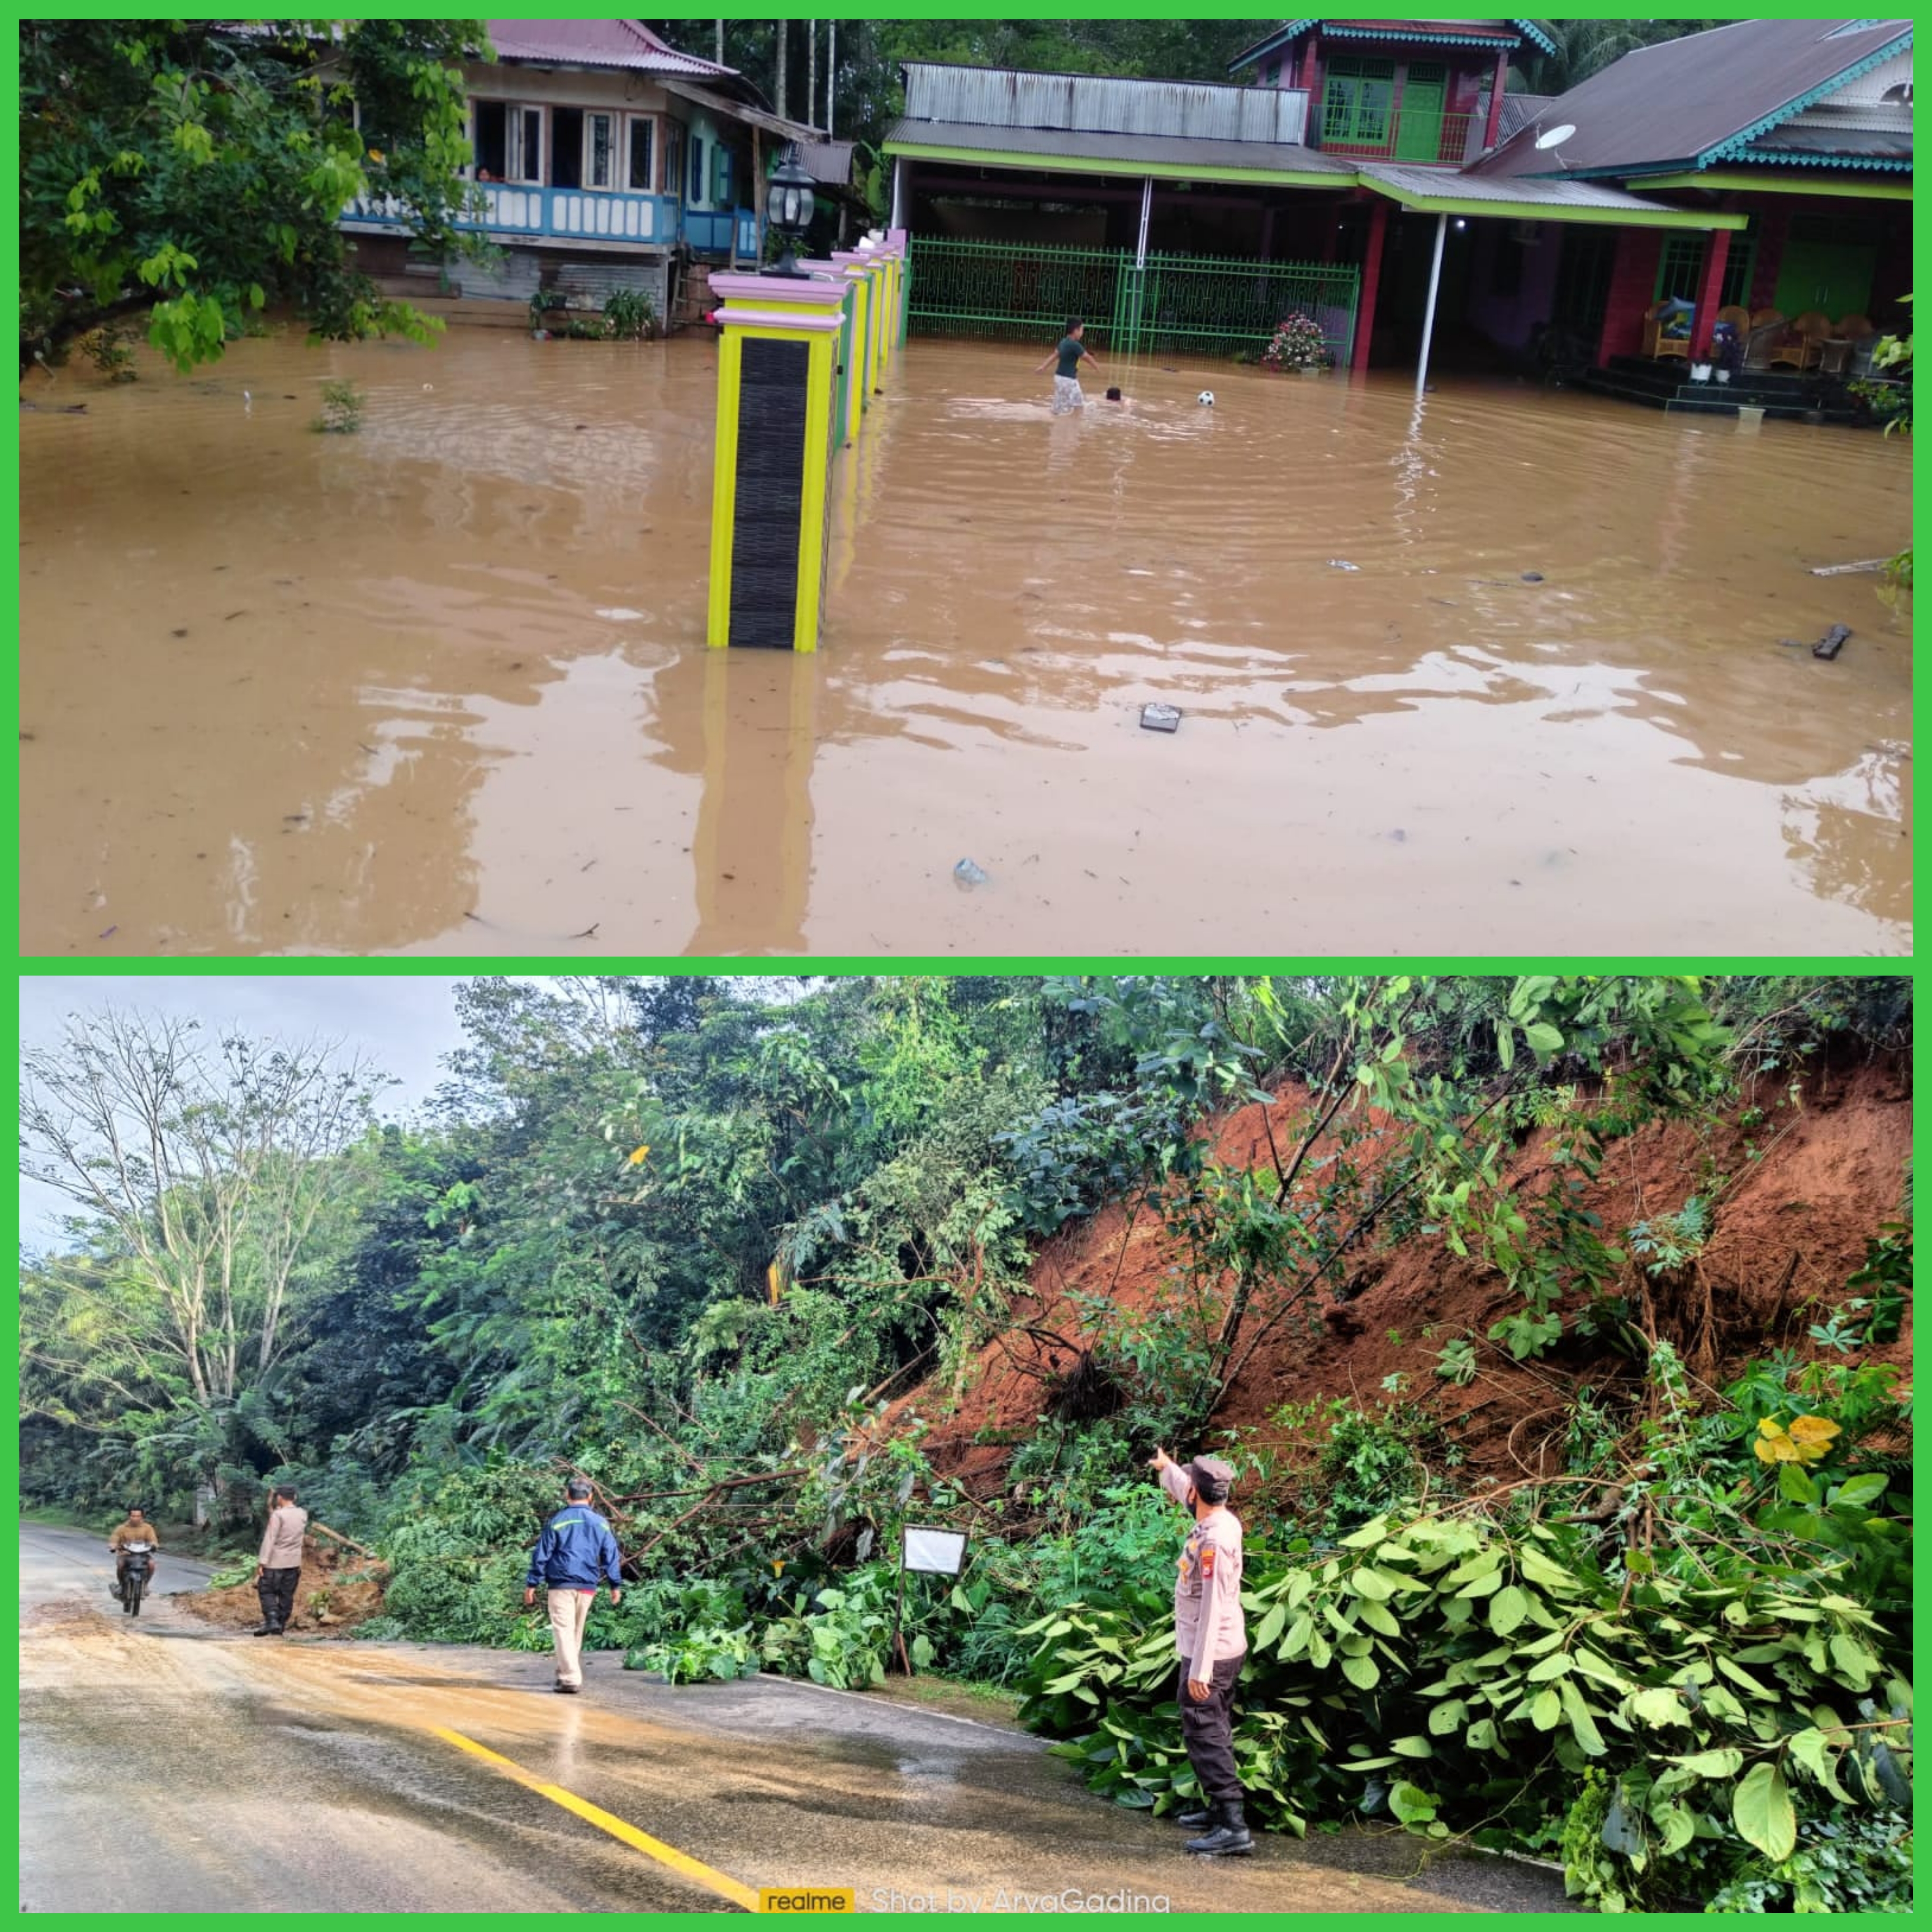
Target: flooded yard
(1505, 675)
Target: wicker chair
(1767, 329)
(1656, 343)
(1803, 347)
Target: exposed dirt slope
(1790, 1225)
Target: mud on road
(198, 1747)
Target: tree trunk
(720, 43)
(811, 72)
(831, 73)
(781, 26)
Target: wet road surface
(255, 1776)
(440, 685)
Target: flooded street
(277, 1776)
(440, 686)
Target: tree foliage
(194, 172)
(694, 1238)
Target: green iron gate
(1205, 305)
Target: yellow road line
(678, 1861)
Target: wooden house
(603, 157)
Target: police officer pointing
(1211, 1637)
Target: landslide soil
(1798, 1193)
(339, 1591)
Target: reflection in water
(440, 686)
(754, 847)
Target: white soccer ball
(1206, 399)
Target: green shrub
(629, 315)
(342, 404)
(1453, 1671)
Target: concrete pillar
(1710, 294)
(1496, 101)
(777, 383)
(1371, 273)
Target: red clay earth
(338, 1591)
(1789, 1227)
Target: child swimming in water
(1071, 353)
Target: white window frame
(648, 122)
(674, 132)
(514, 111)
(591, 116)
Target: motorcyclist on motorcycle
(136, 1529)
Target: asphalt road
(170, 1767)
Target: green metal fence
(1205, 305)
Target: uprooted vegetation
(1558, 1327)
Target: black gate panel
(772, 390)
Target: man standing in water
(1071, 353)
(1210, 1635)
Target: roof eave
(1727, 148)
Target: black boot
(1230, 1836)
(1195, 1816)
(265, 1628)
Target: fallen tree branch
(361, 1550)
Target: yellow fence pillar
(777, 380)
(858, 375)
(900, 242)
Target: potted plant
(1297, 344)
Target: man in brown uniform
(278, 1564)
(1211, 1636)
(136, 1529)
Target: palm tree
(1584, 47)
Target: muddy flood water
(1507, 675)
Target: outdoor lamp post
(788, 205)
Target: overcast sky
(406, 1024)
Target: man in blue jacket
(575, 1551)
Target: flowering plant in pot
(1297, 344)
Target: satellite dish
(1556, 137)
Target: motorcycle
(134, 1582)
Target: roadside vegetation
(750, 1255)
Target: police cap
(1212, 1477)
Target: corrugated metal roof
(1519, 110)
(1814, 143)
(738, 110)
(986, 97)
(1423, 185)
(625, 44)
(1165, 155)
(1674, 104)
(828, 162)
(1289, 30)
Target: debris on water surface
(1160, 718)
(619, 614)
(1342, 563)
(1532, 577)
(1832, 642)
(966, 875)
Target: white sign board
(941, 1551)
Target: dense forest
(1557, 1327)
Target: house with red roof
(1749, 185)
(603, 157)
(1798, 131)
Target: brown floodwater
(440, 686)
